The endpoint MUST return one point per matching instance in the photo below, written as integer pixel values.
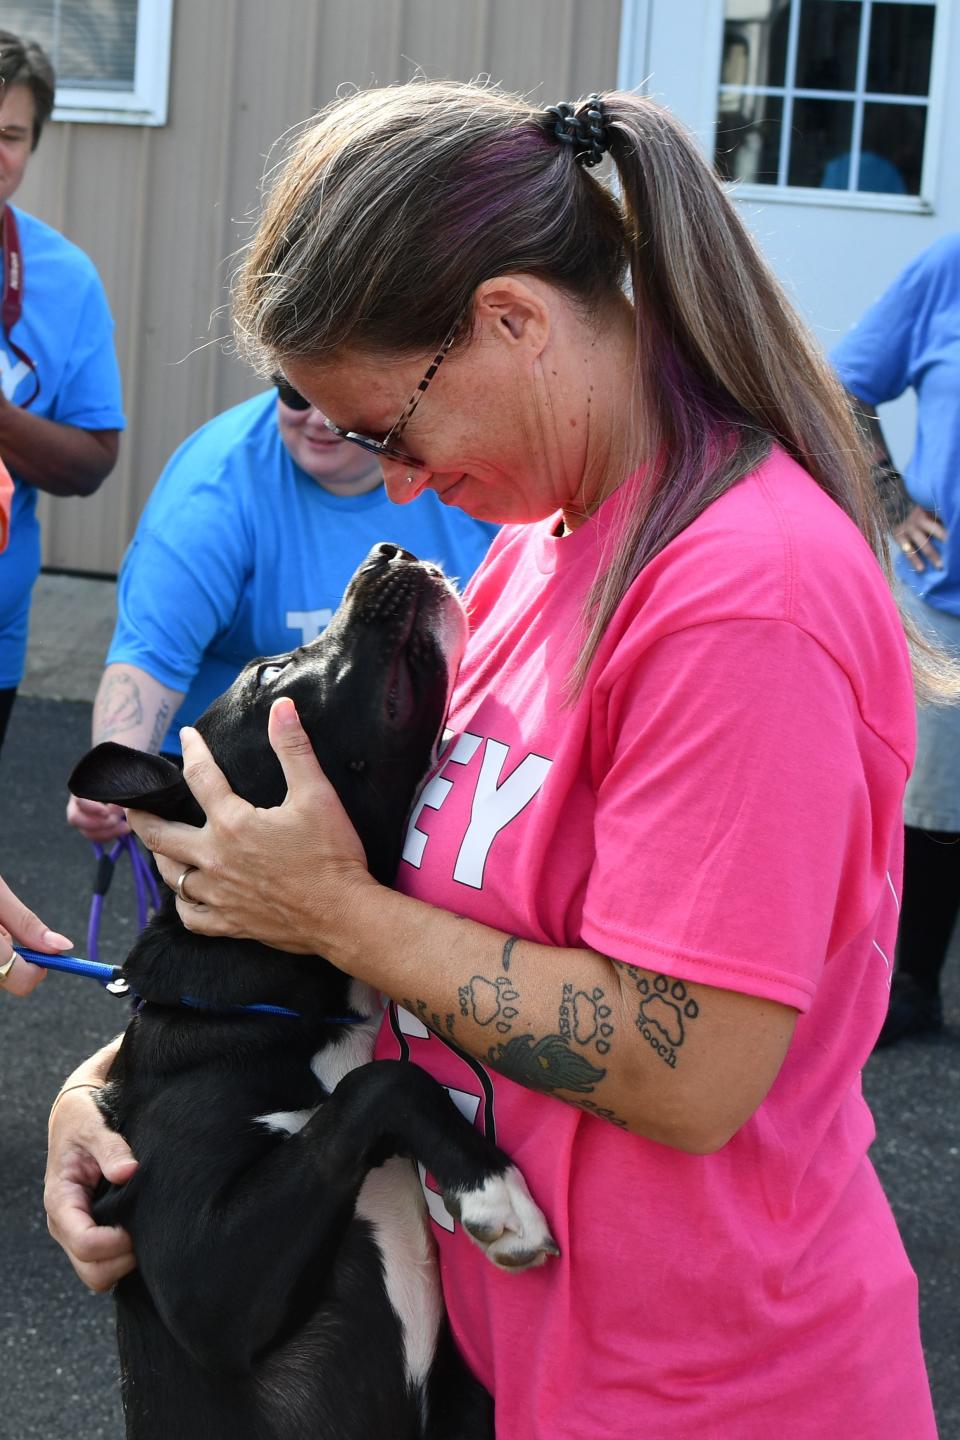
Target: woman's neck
(609, 405)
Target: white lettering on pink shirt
(494, 804)
(434, 793)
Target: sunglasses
(288, 396)
(384, 448)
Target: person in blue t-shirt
(245, 548)
(910, 339)
(60, 410)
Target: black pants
(931, 903)
(7, 698)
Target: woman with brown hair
(648, 899)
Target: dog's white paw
(505, 1221)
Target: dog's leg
(480, 1186)
(233, 1272)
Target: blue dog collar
(112, 978)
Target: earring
(409, 479)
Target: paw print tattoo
(665, 1011)
(489, 1002)
(585, 1018)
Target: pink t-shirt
(6, 499)
(721, 805)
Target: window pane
(748, 138)
(827, 46)
(98, 43)
(755, 42)
(822, 130)
(91, 43)
(30, 20)
(892, 149)
(901, 42)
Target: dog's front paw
(505, 1221)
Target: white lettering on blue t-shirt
(11, 375)
(310, 623)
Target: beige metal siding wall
(160, 210)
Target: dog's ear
(116, 775)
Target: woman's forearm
(133, 708)
(679, 1063)
(82, 1151)
(59, 459)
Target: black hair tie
(586, 133)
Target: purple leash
(148, 894)
(148, 899)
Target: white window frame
(146, 102)
(635, 60)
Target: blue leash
(112, 978)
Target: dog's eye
(269, 673)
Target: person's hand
(20, 924)
(287, 876)
(914, 535)
(82, 1149)
(100, 823)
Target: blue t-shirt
(67, 330)
(910, 338)
(240, 553)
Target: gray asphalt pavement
(58, 1372)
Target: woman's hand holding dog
(82, 1149)
(267, 875)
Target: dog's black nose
(387, 551)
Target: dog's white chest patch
(354, 1048)
(288, 1122)
(391, 1201)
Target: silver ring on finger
(179, 885)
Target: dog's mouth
(421, 629)
(399, 699)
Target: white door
(835, 124)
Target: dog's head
(372, 693)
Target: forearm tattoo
(161, 725)
(664, 1011)
(570, 1061)
(118, 708)
(564, 1059)
(440, 1024)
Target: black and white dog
(286, 1284)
